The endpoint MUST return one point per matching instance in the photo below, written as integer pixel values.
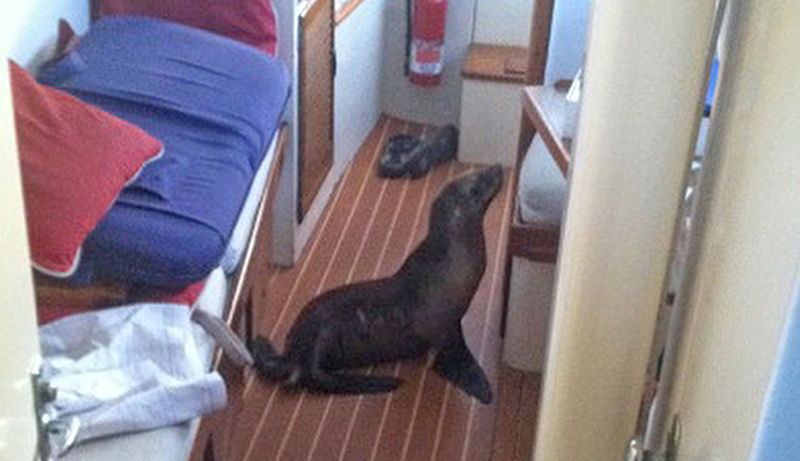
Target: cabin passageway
(370, 225)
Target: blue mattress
(215, 105)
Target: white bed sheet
(172, 443)
(125, 369)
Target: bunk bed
(195, 225)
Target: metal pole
(680, 309)
(643, 76)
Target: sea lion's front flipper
(456, 364)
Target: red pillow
(248, 21)
(75, 159)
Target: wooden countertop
(496, 63)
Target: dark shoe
(407, 156)
(394, 161)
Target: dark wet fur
(399, 317)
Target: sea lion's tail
(271, 365)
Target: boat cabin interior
(200, 178)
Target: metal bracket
(54, 436)
(673, 440)
(42, 394)
(636, 451)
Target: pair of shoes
(406, 155)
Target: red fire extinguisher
(427, 42)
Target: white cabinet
(490, 117)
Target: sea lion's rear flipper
(269, 364)
(351, 383)
(341, 382)
(456, 364)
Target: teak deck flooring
(369, 227)
(517, 414)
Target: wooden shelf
(545, 106)
(533, 242)
(496, 63)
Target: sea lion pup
(399, 317)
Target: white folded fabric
(126, 369)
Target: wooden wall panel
(316, 100)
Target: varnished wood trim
(495, 63)
(535, 243)
(540, 41)
(261, 234)
(516, 420)
(346, 10)
(315, 101)
(249, 277)
(52, 294)
(537, 112)
(541, 23)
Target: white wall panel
(357, 97)
(747, 264)
(35, 39)
(638, 116)
(19, 346)
(504, 22)
(490, 114)
(440, 105)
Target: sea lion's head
(465, 199)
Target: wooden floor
(517, 412)
(369, 227)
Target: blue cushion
(213, 102)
